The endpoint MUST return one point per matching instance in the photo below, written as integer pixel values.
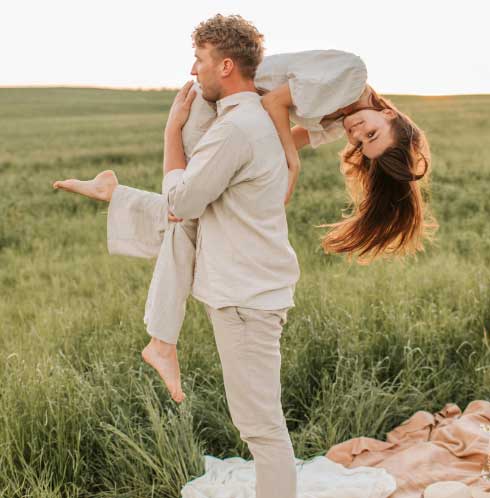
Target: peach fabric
(426, 448)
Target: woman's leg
(136, 219)
(137, 225)
(201, 117)
(170, 287)
(136, 222)
(171, 281)
(99, 188)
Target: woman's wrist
(292, 157)
(172, 129)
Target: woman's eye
(371, 134)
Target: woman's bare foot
(99, 188)
(162, 356)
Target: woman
(324, 92)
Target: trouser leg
(137, 225)
(248, 343)
(171, 282)
(136, 221)
(201, 117)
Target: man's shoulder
(251, 119)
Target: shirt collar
(234, 99)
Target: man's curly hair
(234, 37)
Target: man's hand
(172, 217)
(179, 112)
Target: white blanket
(318, 477)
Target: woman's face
(371, 130)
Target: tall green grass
(82, 416)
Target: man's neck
(242, 86)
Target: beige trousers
(248, 343)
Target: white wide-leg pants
(137, 225)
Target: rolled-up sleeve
(220, 154)
(319, 135)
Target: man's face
(207, 69)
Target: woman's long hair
(389, 215)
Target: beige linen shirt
(235, 183)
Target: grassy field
(82, 416)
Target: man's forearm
(173, 156)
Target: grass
(82, 416)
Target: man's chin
(210, 95)
(213, 99)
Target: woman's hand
(294, 168)
(181, 107)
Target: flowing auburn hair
(389, 215)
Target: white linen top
(321, 82)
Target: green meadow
(81, 415)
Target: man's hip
(248, 342)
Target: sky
(424, 47)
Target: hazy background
(418, 47)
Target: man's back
(239, 170)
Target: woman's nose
(356, 133)
(352, 139)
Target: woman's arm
(300, 136)
(277, 104)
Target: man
(245, 269)
(235, 183)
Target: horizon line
(172, 88)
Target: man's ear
(227, 67)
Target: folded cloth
(426, 448)
(318, 477)
(453, 489)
